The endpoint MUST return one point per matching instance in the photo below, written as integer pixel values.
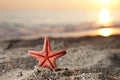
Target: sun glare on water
(105, 32)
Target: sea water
(40, 18)
(18, 21)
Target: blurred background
(59, 18)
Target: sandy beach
(84, 37)
(87, 58)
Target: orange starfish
(47, 57)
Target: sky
(58, 4)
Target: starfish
(47, 57)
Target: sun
(104, 17)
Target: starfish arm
(47, 46)
(57, 54)
(49, 64)
(52, 62)
(41, 61)
(35, 54)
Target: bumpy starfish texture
(47, 57)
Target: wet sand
(87, 58)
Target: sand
(87, 58)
